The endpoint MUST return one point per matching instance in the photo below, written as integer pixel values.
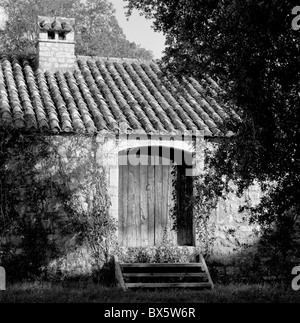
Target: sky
(2, 18)
(138, 29)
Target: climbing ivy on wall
(53, 197)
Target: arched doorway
(151, 185)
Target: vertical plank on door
(124, 208)
(187, 233)
(179, 219)
(131, 220)
(151, 203)
(136, 201)
(182, 204)
(120, 215)
(190, 233)
(143, 204)
(164, 198)
(170, 201)
(158, 203)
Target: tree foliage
(251, 49)
(97, 30)
(52, 207)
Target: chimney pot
(66, 26)
(56, 25)
(45, 25)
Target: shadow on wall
(54, 204)
(237, 250)
(270, 259)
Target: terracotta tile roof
(106, 94)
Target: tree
(97, 30)
(251, 49)
(100, 33)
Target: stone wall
(233, 235)
(58, 178)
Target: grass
(46, 292)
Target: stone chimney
(56, 44)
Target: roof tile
(117, 95)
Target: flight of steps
(163, 275)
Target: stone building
(111, 112)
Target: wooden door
(145, 202)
